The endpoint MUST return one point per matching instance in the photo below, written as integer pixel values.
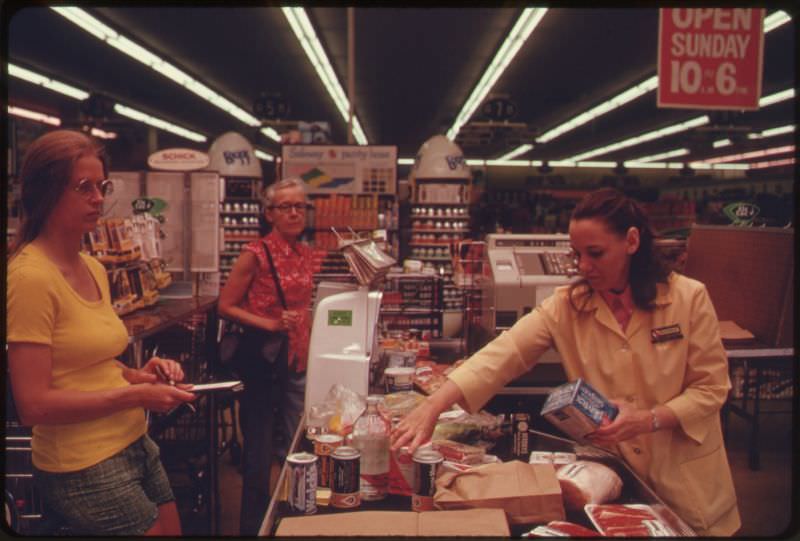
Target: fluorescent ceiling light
(719, 143)
(509, 163)
(475, 162)
(41, 80)
(261, 155)
(663, 155)
(732, 166)
(749, 155)
(772, 132)
(774, 20)
(102, 134)
(304, 31)
(783, 95)
(605, 107)
(649, 136)
(405, 161)
(33, 115)
(596, 164)
(562, 163)
(516, 38)
(773, 163)
(158, 123)
(137, 52)
(522, 149)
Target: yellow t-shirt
(85, 338)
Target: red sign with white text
(710, 58)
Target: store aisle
(764, 495)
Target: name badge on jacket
(664, 334)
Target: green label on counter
(341, 318)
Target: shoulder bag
(242, 343)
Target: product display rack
(239, 214)
(439, 221)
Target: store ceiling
(414, 70)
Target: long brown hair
(619, 213)
(45, 174)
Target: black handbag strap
(275, 276)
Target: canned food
(346, 477)
(426, 466)
(302, 483)
(324, 445)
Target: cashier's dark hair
(619, 212)
(45, 175)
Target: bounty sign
(710, 58)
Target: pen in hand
(164, 376)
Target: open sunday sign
(710, 58)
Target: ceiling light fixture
(522, 29)
(156, 122)
(107, 34)
(509, 163)
(772, 132)
(596, 164)
(773, 163)
(664, 155)
(749, 155)
(41, 80)
(102, 134)
(261, 155)
(522, 149)
(405, 161)
(649, 136)
(617, 101)
(304, 31)
(777, 97)
(34, 115)
(719, 143)
(776, 19)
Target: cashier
(646, 338)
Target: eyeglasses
(87, 188)
(286, 207)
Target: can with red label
(346, 477)
(302, 483)
(401, 472)
(324, 445)
(426, 466)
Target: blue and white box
(577, 409)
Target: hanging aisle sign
(178, 159)
(710, 58)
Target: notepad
(233, 385)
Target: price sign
(271, 107)
(710, 58)
(499, 109)
(741, 213)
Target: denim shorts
(118, 496)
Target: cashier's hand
(416, 428)
(629, 422)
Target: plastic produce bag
(347, 406)
(458, 425)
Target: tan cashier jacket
(686, 466)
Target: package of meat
(583, 482)
(570, 529)
(459, 452)
(627, 520)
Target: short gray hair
(291, 182)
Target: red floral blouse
(295, 266)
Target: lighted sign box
(343, 169)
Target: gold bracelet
(654, 424)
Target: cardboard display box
(472, 522)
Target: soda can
(401, 472)
(346, 477)
(324, 445)
(302, 483)
(426, 466)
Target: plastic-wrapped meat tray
(627, 520)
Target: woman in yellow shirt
(93, 461)
(669, 391)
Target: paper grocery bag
(528, 493)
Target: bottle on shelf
(371, 437)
